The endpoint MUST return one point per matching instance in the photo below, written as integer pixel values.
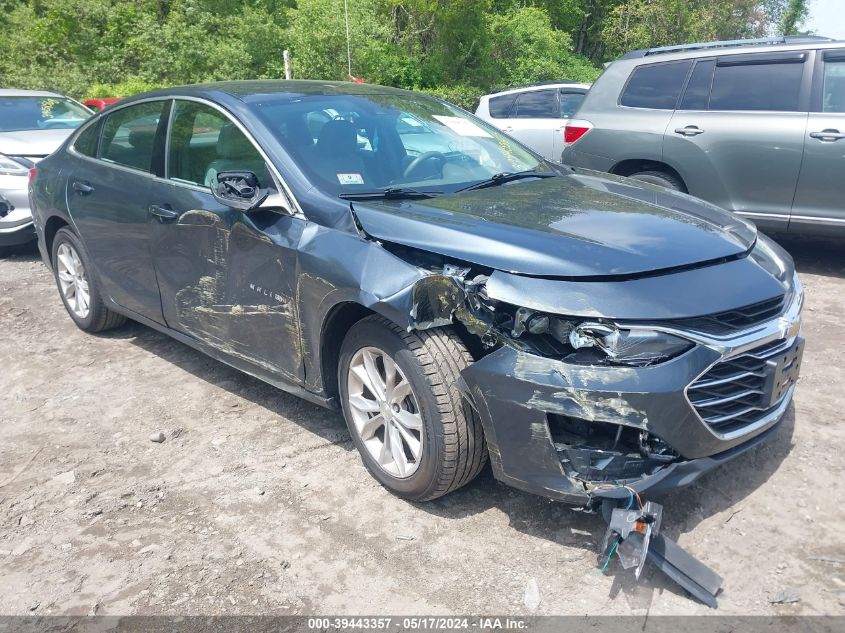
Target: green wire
(610, 553)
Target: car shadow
(723, 489)
(320, 421)
(22, 253)
(815, 255)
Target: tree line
(458, 49)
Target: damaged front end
(576, 407)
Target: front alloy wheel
(73, 281)
(408, 419)
(385, 413)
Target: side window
(500, 107)
(697, 94)
(537, 104)
(86, 142)
(656, 86)
(204, 142)
(569, 103)
(773, 86)
(129, 135)
(833, 87)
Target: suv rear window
(656, 86)
(757, 86)
(500, 107)
(537, 104)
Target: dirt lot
(257, 502)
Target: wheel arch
(631, 166)
(51, 227)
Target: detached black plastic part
(687, 571)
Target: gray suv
(754, 126)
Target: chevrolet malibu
(455, 295)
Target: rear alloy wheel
(399, 392)
(78, 285)
(73, 280)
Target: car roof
(14, 92)
(733, 47)
(252, 90)
(539, 86)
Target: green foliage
(456, 49)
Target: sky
(827, 17)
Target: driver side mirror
(239, 190)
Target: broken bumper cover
(524, 400)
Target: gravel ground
(257, 503)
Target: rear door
(737, 136)
(819, 205)
(108, 196)
(534, 121)
(227, 278)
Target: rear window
(833, 95)
(500, 107)
(697, 94)
(129, 135)
(656, 86)
(569, 103)
(757, 86)
(537, 104)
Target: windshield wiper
(390, 193)
(509, 176)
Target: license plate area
(782, 373)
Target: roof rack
(760, 41)
(538, 83)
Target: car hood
(581, 225)
(32, 143)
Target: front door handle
(690, 130)
(827, 136)
(82, 188)
(163, 213)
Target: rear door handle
(690, 130)
(82, 188)
(827, 136)
(163, 213)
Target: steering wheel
(419, 160)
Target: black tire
(454, 450)
(660, 178)
(99, 317)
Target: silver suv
(754, 126)
(534, 115)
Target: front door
(227, 278)
(819, 205)
(737, 137)
(108, 197)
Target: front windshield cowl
(391, 145)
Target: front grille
(739, 391)
(733, 320)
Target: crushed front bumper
(524, 399)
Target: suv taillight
(32, 172)
(575, 129)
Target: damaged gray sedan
(458, 297)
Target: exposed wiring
(610, 553)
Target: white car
(32, 125)
(534, 115)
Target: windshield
(40, 113)
(351, 144)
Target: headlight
(11, 167)
(637, 347)
(593, 343)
